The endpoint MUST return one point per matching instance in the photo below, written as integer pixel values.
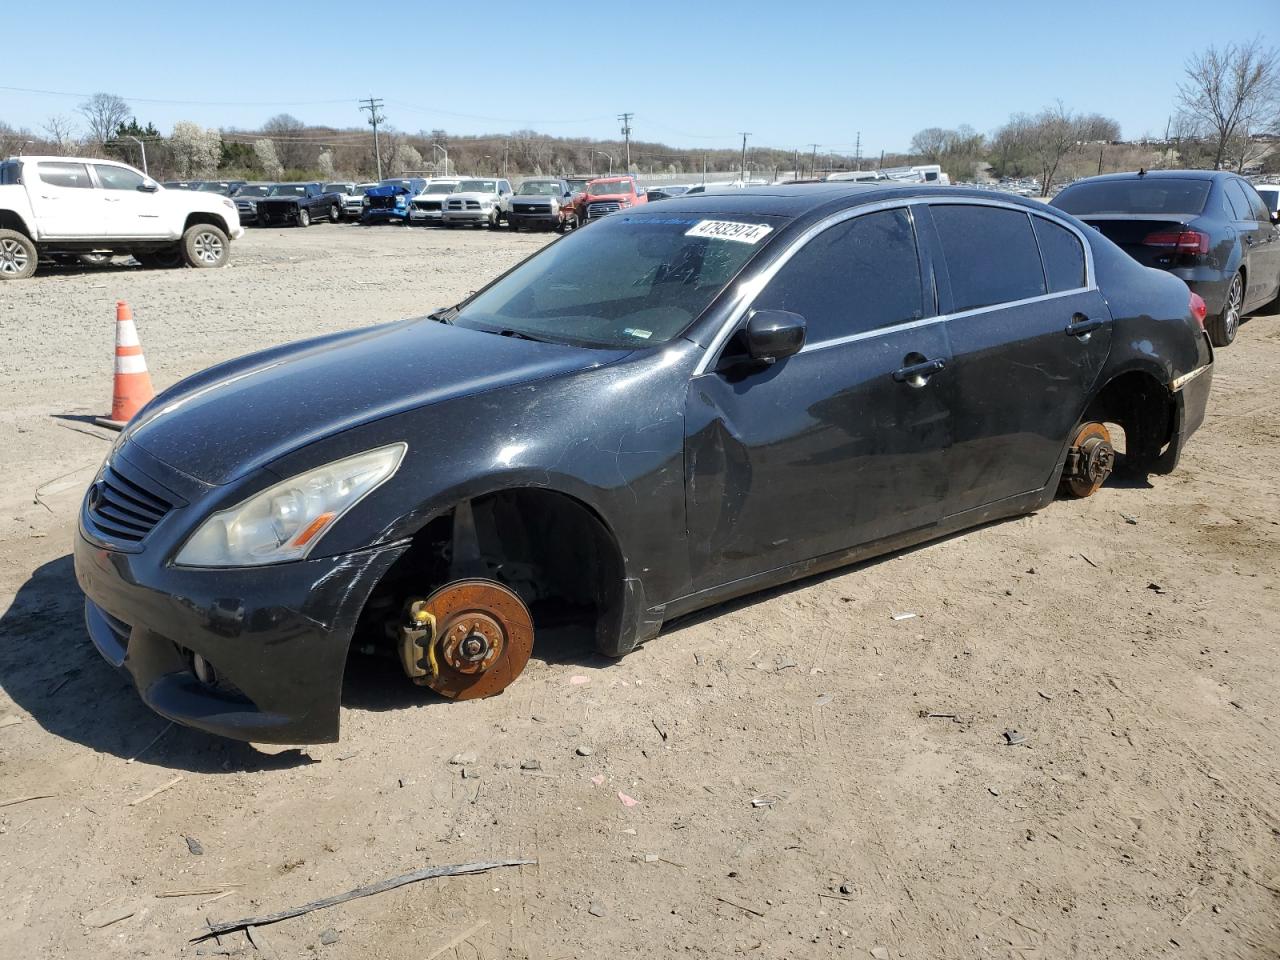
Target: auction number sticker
(729, 230)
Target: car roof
(797, 200)
(1161, 175)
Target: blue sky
(694, 74)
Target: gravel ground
(811, 777)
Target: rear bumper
(1190, 399)
(1209, 282)
(277, 636)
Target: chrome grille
(602, 207)
(126, 508)
(427, 204)
(530, 208)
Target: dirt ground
(1130, 638)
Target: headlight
(285, 521)
(364, 202)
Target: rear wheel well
(11, 221)
(550, 548)
(1143, 408)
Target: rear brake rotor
(1089, 461)
(479, 641)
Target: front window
(539, 188)
(478, 186)
(118, 178)
(627, 281)
(288, 190)
(1171, 195)
(608, 188)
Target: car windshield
(1174, 195)
(608, 188)
(1271, 196)
(539, 188)
(578, 184)
(478, 186)
(254, 190)
(628, 281)
(213, 186)
(288, 190)
(441, 188)
(337, 187)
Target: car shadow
(50, 669)
(64, 268)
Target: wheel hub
(1090, 460)
(469, 639)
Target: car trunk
(1129, 231)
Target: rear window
(1062, 253)
(1158, 195)
(1270, 197)
(10, 174)
(992, 255)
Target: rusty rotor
(1090, 460)
(481, 641)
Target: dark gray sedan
(1209, 228)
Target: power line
(743, 170)
(186, 103)
(374, 106)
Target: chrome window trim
(748, 290)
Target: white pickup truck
(66, 206)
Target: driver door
(131, 209)
(841, 444)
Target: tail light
(1198, 309)
(1180, 241)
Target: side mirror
(148, 186)
(773, 335)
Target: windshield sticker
(730, 230)
(638, 333)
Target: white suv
(64, 205)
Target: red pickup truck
(607, 194)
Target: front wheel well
(550, 548)
(1142, 406)
(210, 218)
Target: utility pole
(857, 156)
(506, 153)
(374, 106)
(625, 119)
(742, 173)
(813, 160)
(1100, 149)
(704, 168)
(795, 164)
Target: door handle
(918, 374)
(1081, 326)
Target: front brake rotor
(469, 639)
(1090, 460)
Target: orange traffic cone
(132, 382)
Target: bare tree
(103, 113)
(324, 163)
(405, 159)
(61, 133)
(288, 135)
(929, 143)
(1232, 89)
(1056, 132)
(13, 140)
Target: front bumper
(278, 636)
(467, 216)
(543, 217)
(270, 215)
(422, 216)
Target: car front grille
(602, 207)
(126, 508)
(530, 208)
(427, 204)
(464, 205)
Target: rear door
(65, 201)
(1258, 234)
(1030, 334)
(842, 443)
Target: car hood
(534, 198)
(239, 416)
(387, 190)
(279, 199)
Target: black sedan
(665, 410)
(298, 203)
(1209, 228)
